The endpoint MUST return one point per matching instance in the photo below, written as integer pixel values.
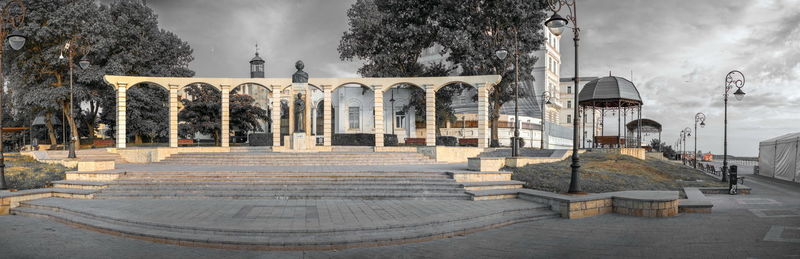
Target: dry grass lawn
(23, 172)
(602, 172)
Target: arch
(287, 87)
(402, 83)
(166, 88)
(353, 83)
(246, 124)
(436, 89)
(197, 127)
(146, 120)
(269, 89)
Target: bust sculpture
(300, 76)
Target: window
(569, 89)
(569, 104)
(399, 119)
(354, 116)
(569, 118)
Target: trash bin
(733, 175)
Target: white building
(593, 127)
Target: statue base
(300, 141)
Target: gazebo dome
(257, 58)
(610, 91)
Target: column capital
(428, 87)
(174, 87)
(121, 85)
(326, 87)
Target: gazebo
(644, 126)
(617, 94)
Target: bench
(468, 142)
(185, 141)
(103, 143)
(415, 141)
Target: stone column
(173, 115)
(307, 112)
(121, 109)
(327, 114)
(226, 116)
(276, 115)
(483, 115)
(430, 115)
(290, 102)
(378, 90)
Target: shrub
(446, 141)
(355, 139)
(390, 140)
(260, 139)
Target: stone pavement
(765, 224)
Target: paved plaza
(765, 224)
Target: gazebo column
(378, 103)
(276, 115)
(226, 116)
(173, 115)
(430, 115)
(483, 115)
(121, 109)
(327, 103)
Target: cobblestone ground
(765, 224)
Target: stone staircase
(85, 154)
(298, 159)
(271, 185)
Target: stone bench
(95, 165)
(486, 164)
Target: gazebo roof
(610, 91)
(645, 123)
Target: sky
(678, 52)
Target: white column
(173, 115)
(327, 114)
(121, 109)
(483, 114)
(226, 116)
(378, 121)
(276, 115)
(430, 115)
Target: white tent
(780, 157)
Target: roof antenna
(256, 49)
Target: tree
(121, 38)
(244, 115)
(149, 111)
(655, 144)
(389, 37)
(201, 112)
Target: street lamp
(16, 40)
(687, 132)
(556, 24)
(502, 54)
(545, 100)
(70, 47)
(733, 79)
(394, 116)
(699, 117)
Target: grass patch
(23, 172)
(604, 172)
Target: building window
(354, 116)
(569, 89)
(569, 118)
(569, 104)
(399, 119)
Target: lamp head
(556, 24)
(501, 54)
(84, 63)
(739, 94)
(16, 39)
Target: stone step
(495, 194)
(284, 175)
(280, 188)
(274, 179)
(223, 173)
(336, 237)
(74, 184)
(299, 184)
(300, 195)
(492, 185)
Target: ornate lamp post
(699, 117)
(502, 54)
(545, 101)
(70, 47)
(687, 132)
(394, 117)
(16, 40)
(556, 24)
(733, 79)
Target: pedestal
(299, 141)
